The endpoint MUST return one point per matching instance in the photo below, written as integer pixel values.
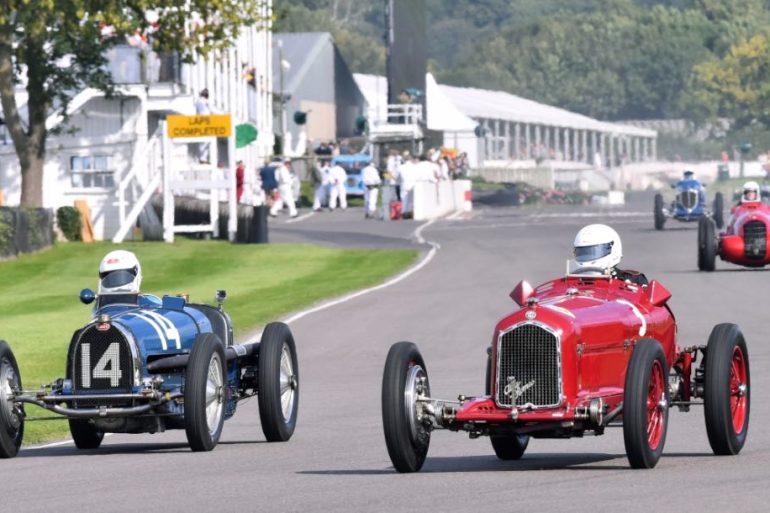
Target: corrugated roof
(485, 104)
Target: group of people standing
(328, 185)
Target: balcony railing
(133, 65)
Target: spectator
(392, 173)
(202, 109)
(240, 170)
(323, 150)
(408, 178)
(319, 176)
(371, 178)
(285, 179)
(269, 183)
(337, 177)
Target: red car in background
(744, 242)
(583, 352)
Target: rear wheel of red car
(278, 382)
(11, 413)
(204, 392)
(404, 381)
(660, 218)
(506, 446)
(707, 244)
(727, 390)
(85, 434)
(645, 405)
(719, 207)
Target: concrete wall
(432, 200)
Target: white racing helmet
(750, 192)
(597, 249)
(119, 273)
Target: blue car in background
(690, 203)
(354, 166)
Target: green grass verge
(40, 306)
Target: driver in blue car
(120, 276)
(598, 251)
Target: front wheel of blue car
(278, 384)
(11, 413)
(204, 392)
(85, 435)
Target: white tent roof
(450, 107)
(443, 115)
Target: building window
(91, 171)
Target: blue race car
(144, 365)
(690, 203)
(353, 166)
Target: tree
(55, 48)
(736, 86)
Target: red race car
(583, 352)
(744, 242)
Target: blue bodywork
(690, 201)
(353, 165)
(143, 332)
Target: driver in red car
(598, 251)
(750, 192)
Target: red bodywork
(596, 322)
(742, 248)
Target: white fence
(432, 200)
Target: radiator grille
(528, 365)
(688, 198)
(102, 363)
(754, 240)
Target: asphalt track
(337, 460)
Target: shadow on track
(454, 464)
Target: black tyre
(506, 446)
(727, 390)
(719, 208)
(660, 218)
(707, 244)
(11, 413)
(404, 379)
(278, 382)
(85, 434)
(645, 405)
(204, 392)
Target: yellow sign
(212, 125)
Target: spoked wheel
(85, 434)
(507, 446)
(660, 218)
(727, 392)
(707, 244)
(278, 382)
(404, 383)
(204, 392)
(719, 207)
(645, 405)
(11, 413)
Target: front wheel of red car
(645, 405)
(719, 207)
(727, 390)
(509, 447)
(707, 244)
(404, 382)
(11, 413)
